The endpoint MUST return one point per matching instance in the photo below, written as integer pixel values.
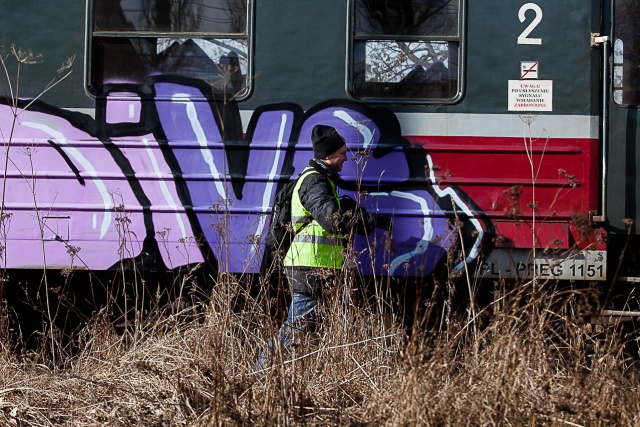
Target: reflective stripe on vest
(312, 245)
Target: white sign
(592, 265)
(525, 95)
(571, 265)
(529, 69)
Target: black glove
(347, 204)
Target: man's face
(336, 159)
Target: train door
(540, 204)
(621, 136)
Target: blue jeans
(307, 285)
(300, 320)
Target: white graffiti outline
(475, 249)
(164, 188)
(266, 198)
(423, 244)
(192, 114)
(366, 133)
(88, 167)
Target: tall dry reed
(524, 366)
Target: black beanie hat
(326, 140)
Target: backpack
(281, 233)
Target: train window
(405, 49)
(626, 53)
(131, 40)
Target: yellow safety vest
(312, 246)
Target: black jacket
(317, 197)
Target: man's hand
(347, 204)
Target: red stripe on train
(517, 182)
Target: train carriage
(165, 145)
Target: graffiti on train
(166, 176)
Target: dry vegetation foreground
(531, 363)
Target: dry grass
(534, 362)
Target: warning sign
(530, 95)
(529, 69)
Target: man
(321, 222)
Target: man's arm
(316, 195)
(358, 220)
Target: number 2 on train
(524, 38)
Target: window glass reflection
(626, 90)
(407, 17)
(398, 69)
(220, 62)
(405, 49)
(210, 16)
(132, 40)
